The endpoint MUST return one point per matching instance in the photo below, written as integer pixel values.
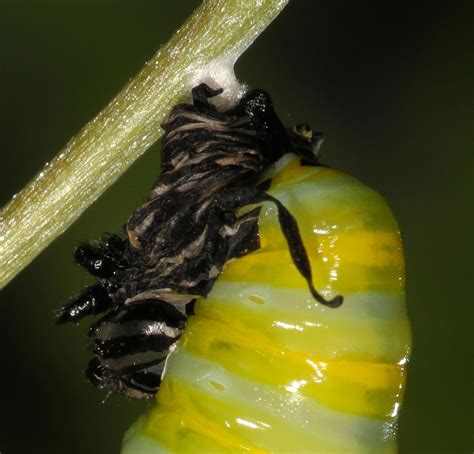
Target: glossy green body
(262, 367)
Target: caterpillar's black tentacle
(93, 300)
(291, 232)
(242, 196)
(178, 241)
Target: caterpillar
(257, 293)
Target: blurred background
(391, 86)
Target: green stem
(128, 126)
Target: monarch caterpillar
(220, 257)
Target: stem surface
(128, 126)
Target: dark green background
(391, 86)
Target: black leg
(142, 383)
(103, 378)
(103, 260)
(93, 300)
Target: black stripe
(120, 346)
(147, 309)
(127, 364)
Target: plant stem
(128, 126)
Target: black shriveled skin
(179, 240)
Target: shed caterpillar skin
(177, 242)
(262, 361)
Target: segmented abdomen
(262, 367)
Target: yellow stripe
(374, 388)
(311, 332)
(337, 274)
(180, 421)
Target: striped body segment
(262, 367)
